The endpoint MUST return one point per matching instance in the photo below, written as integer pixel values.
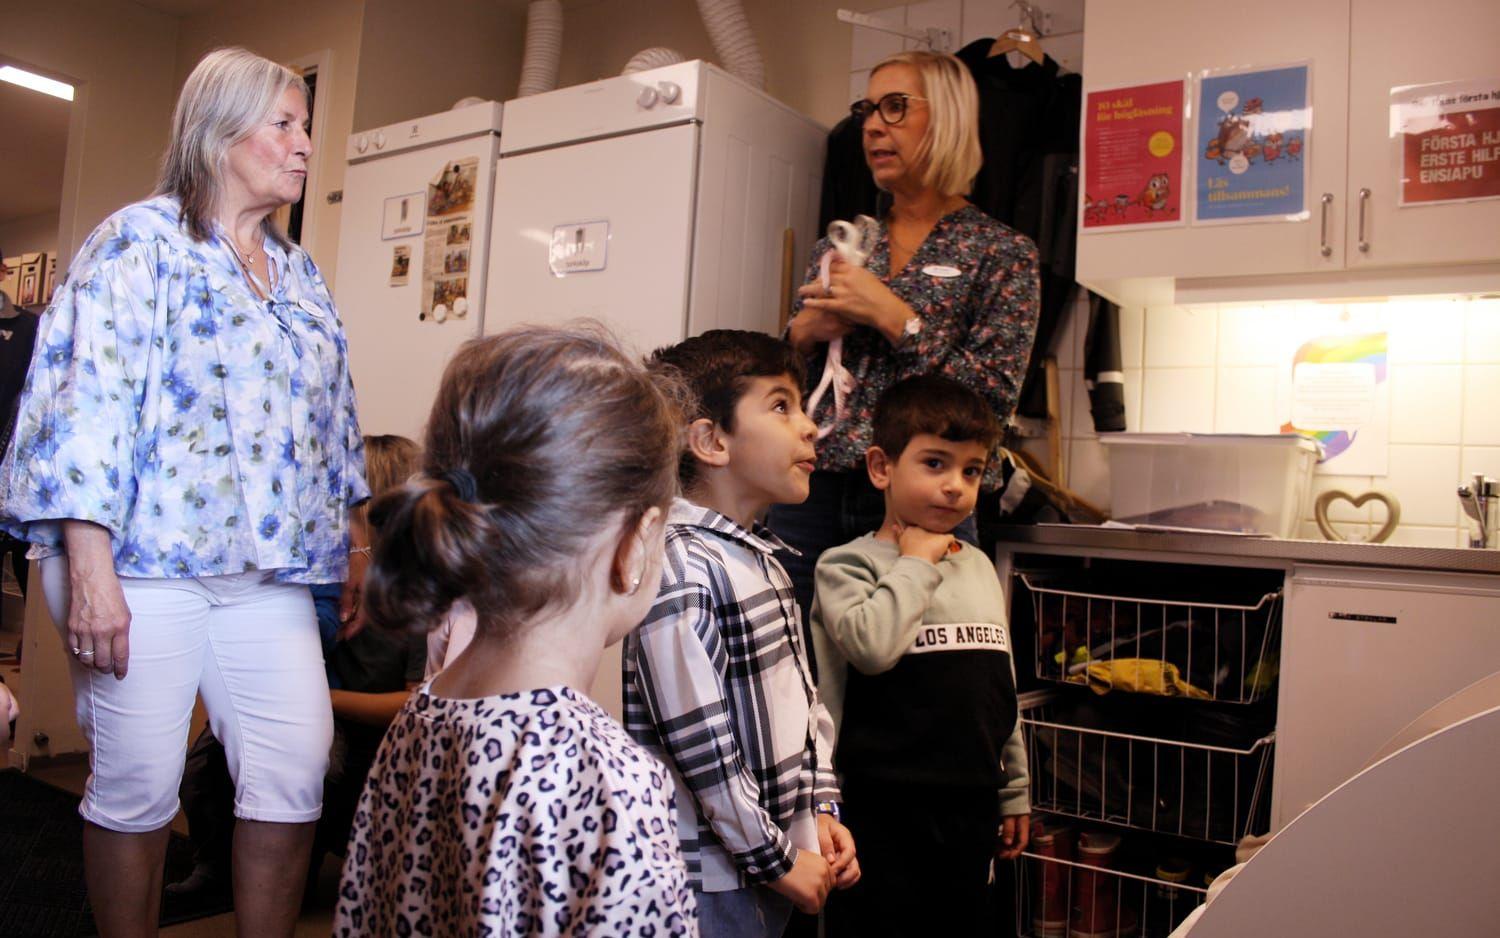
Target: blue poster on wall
(1253, 145)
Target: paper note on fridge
(404, 216)
(1332, 395)
(579, 247)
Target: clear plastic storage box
(1217, 481)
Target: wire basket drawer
(1212, 792)
(1059, 897)
(1173, 646)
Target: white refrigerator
(412, 250)
(658, 202)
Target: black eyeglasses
(892, 107)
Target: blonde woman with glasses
(946, 290)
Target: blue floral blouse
(210, 431)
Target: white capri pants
(250, 646)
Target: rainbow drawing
(1369, 348)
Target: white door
(1389, 49)
(396, 356)
(1364, 653)
(601, 230)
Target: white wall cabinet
(1359, 50)
(1391, 45)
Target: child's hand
(919, 542)
(1015, 834)
(9, 710)
(837, 845)
(807, 884)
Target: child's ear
(879, 468)
(707, 443)
(632, 560)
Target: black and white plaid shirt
(717, 684)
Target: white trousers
(250, 646)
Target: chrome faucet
(1481, 502)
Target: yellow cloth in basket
(1141, 676)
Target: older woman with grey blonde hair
(185, 457)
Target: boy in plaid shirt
(717, 681)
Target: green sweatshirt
(914, 665)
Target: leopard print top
(519, 814)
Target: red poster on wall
(1448, 137)
(1133, 149)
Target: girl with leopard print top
(503, 800)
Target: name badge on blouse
(942, 270)
(312, 308)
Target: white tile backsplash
(1256, 335)
(1178, 336)
(1429, 331)
(1477, 459)
(1423, 478)
(1133, 336)
(1410, 535)
(1482, 331)
(1177, 399)
(1219, 369)
(1425, 403)
(1481, 405)
(1245, 401)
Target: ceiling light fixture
(19, 76)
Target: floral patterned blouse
(974, 283)
(210, 431)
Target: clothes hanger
(1023, 37)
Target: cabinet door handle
(1326, 249)
(1364, 201)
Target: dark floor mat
(41, 879)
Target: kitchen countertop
(1456, 559)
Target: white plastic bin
(1217, 481)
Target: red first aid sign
(1449, 138)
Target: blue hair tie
(463, 483)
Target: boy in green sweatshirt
(914, 663)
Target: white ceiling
(33, 142)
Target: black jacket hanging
(1028, 130)
(1102, 372)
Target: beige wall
(287, 31)
(121, 57)
(414, 64)
(806, 49)
(30, 234)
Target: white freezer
(656, 202)
(397, 355)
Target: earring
(635, 584)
